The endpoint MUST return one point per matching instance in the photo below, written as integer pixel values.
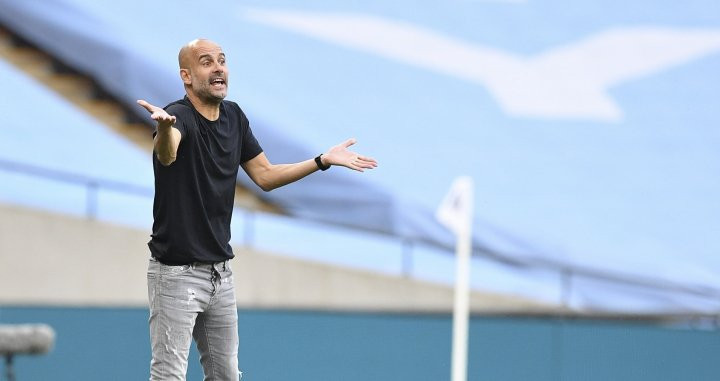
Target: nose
(217, 67)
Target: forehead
(207, 48)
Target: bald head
(203, 72)
(190, 51)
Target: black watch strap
(320, 164)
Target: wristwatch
(319, 163)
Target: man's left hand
(342, 156)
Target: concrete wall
(51, 259)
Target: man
(200, 142)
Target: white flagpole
(456, 213)
(461, 309)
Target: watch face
(320, 164)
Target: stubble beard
(205, 92)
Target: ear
(185, 76)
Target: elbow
(265, 178)
(266, 181)
(266, 184)
(266, 187)
(166, 160)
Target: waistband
(224, 264)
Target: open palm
(341, 155)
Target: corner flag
(456, 212)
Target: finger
(365, 165)
(162, 117)
(167, 120)
(360, 165)
(367, 159)
(147, 106)
(157, 116)
(161, 114)
(348, 142)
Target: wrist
(321, 164)
(164, 128)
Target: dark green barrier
(112, 344)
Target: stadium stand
(541, 154)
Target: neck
(211, 111)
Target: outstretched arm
(269, 176)
(167, 139)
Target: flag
(455, 211)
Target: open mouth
(217, 82)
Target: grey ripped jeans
(197, 301)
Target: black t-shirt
(194, 195)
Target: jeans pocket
(226, 275)
(153, 268)
(170, 271)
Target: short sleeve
(249, 146)
(181, 114)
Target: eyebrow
(207, 55)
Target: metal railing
(92, 184)
(566, 275)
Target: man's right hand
(163, 119)
(167, 139)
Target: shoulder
(179, 108)
(183, 111)
(236, 115)
(234, 108)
